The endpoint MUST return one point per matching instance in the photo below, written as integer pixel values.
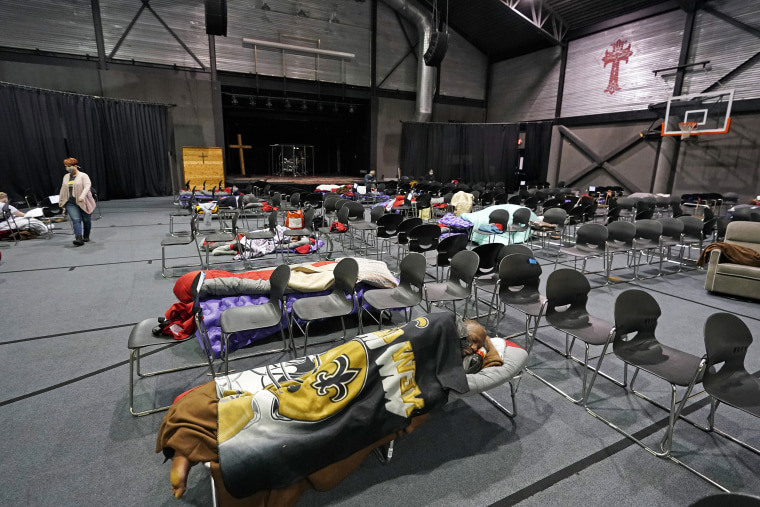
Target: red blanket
(181, 314)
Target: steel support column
(98, 24)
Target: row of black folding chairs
(633, 339)
(645, 237)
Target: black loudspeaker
(216, 17)
(439, 43)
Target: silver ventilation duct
(425, 77)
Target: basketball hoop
(686, 128)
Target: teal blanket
(479, 218)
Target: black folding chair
(447, 248)
(566, 297)
(406, 295)
(269, 234)
(590, 243)
(167, 271)
(305, 231)
(726, 380)
(247, 318)
(459, 285)
(387, 228)
(339, 303)
(497, 217)
(635, 343)
(401, 236)
(517, 287)
(142, 338)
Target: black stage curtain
(122, 146)
(538, 140)
(468, 152)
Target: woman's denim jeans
(79, 217)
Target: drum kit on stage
(291, 160)
(295, 166)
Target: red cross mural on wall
(617, 55)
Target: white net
(686, 128)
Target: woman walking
(77, 199)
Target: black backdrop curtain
(538, 139)
(469, 152)
(122, 146)
(472, 152)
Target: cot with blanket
(223, 290)
(479, 218)
(279, 428)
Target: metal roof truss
(542, 17)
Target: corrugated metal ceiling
(500, 33)
(583, 13)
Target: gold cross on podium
(240, 146)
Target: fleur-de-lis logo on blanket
(337, 381)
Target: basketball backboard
(710, 111)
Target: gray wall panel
(390, 114)
(63, 26)
(463, 70)
(524, 88)
(726, 47)
(636, 164)
(349, 32)
(391, 48)
(722, 163)
(148, 40)
(51, 77)
(466, 114)
(655, 43)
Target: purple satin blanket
(213, 308)
(455, 222)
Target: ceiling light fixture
(269, 103)
(351, 109)
(303, 106)
(234, 100)
(287, 104)
(252, 101)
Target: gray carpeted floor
(69, 438)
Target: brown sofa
(736, 279)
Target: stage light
(234, 100)
(303, 106)
(252, 102)
(335, 108)
(351, 109)
(287, 104)
(269, 103)
(320, 107)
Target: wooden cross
(203, 157)
(240, 146)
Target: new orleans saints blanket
(278, 424)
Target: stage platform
(300, 180)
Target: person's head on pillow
(476, 337)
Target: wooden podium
(203, 164)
